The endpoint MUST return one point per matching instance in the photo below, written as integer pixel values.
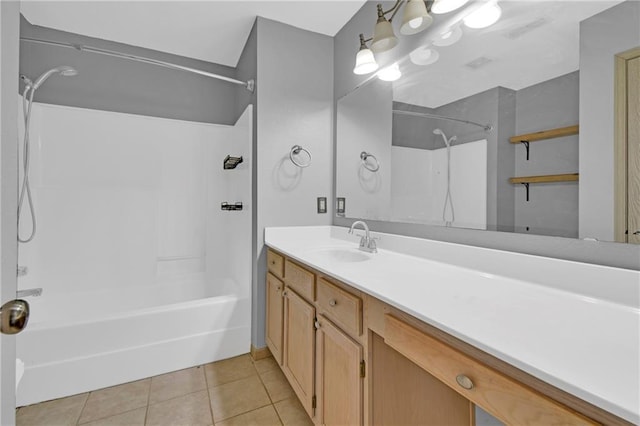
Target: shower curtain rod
(249, 85)
(486, 127)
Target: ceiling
(533, 41)
(213, 31)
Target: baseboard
(260, 353)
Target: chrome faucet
(367, 243)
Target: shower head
(63, 70)
(447, 142)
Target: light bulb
(485, 16)
(446, 6)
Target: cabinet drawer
(503, 397)
(340, 306)
(299, 279)
(275, 264)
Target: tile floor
(236, 391)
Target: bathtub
(79, 342)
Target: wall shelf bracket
(526, 145)
(526, 185)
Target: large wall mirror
(449, 143)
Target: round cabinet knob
(278, 288)
(464, 381)
(333, 302)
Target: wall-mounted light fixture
(365, 61)
(415, 19)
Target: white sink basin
(344, 255)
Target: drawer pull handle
(333, 302)
(464, 381)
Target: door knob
(14, 316)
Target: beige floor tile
(130, 418)
(192, 410)
(277, 385)
(292, 413)
(237, 397)
(265, 416)
(115, 400)
(63, 411)
(229, 370)
(266, 364)
(175, 384)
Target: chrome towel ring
(373, 166)
(295, 150)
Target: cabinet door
(275, 316)
(339, 381)
(299, 347)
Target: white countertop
(573, 325)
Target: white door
(9, 41)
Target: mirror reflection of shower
(27, 101)
(447, 200)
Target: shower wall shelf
(231, 206)
(543, 135)
(231, 162)
(526, 180)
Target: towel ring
(295, 150)
(364, 156)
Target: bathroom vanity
(422, 332)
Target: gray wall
(113, 84)
(9, 34)
(248, 68)
(495, 107)
(601, 37)
(552, 208)
(621, 255)
(295, 106)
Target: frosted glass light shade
(485, 16)
(365, 62)
(383, 37)
(446, 6)
(415, 18)
(390, 73)
(448, 37)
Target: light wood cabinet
(340, 370)
(355, 360)
(299, 348)
(506, 399)
(275, 316)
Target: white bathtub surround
(141, 271)
(573, 325)
(419, 185)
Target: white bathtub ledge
(573, 325)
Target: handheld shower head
(447, 142)
(62, 70)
